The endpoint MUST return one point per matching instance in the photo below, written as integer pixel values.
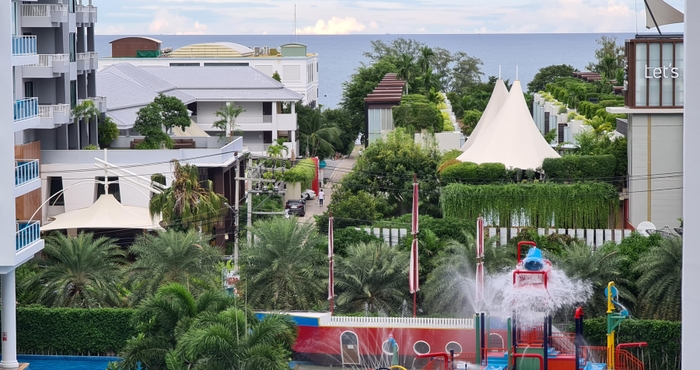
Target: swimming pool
(37, 362)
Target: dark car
(296, 207)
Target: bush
(447, 164)
(490, 172)
(663, 339)
(304, 173)
(73, 331)
(344, 238)
(418, 114)
(580, 168)
(462, 172)
(472, 173)
(452, 154)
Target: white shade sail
(512, 138)
(662, 13)
(105, 213)
(498, 97)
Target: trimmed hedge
(469, 172)
(663, 339)
(580, 168)
(73, 331)
(304, 172)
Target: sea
(517, 56)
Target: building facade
(297, 68)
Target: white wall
(655, 162)
(206, 113)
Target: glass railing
(23, 45)
(26, 108)
(27, 233)
(26, 171)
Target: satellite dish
(646, 228)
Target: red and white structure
(479, 296)
(413, 276)
(331, 283)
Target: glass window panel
(640, 79)
(654, 82)
(667, 80)
(680, 93)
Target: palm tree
(320, 138)
(372, 276)
(77, 272)
(426, 54)
(171, 257)
(446, 286)
(275, 150)
(405, 65)
(227, 119)
(579, 261)
(281, 269)
(660, 280)
(188, 203)
(85, 110)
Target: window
(184, 64)
(386, 348)
(453, 346)
(56, 191)
(29, 89)
(71, 46)
(113, 187)
(71, 6)
(496, 341)
(73, 94)
(421, 347)
(225, 64)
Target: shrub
(462, 172)
(447, 164)
(73, 331)
(452, 154)
(489, 172)
(580, 168)
(304, 173)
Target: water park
(509, 332)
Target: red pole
(531, 355)
(444, 355)
(414, 304)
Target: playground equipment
(533, 270)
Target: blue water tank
(533, 260)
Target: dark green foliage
(107, 131)
(73, 331)
(470, 119)
(304, 173)
(583, 205)
(548, 75)
(416, 114)
(164, 111)
(345, 237)
(663, 339)
(353, 209)
(472, 173)
(580, 168)
(276, 77)
(341, 119)
(659, 282)
(452, 154)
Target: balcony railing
(26, 108)
(26, 171)
(27, 233)
(43, 10)
(46, 60)
(23, 45)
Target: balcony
(28, 233)
(287, 122)
(49, 66)
(44, 15)
(26, 113)
(24, 50)
(99, 101)
(87, 61)
(27, 177)
(85, 14)
(54, 115)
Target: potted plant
(107, 131)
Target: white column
(9, 322)
(274, 121)
(691, 184)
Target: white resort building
(297, 68)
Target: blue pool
(66, 362)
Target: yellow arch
(398, 367)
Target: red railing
(598, 354)
(466, 357)
(564, 343)
(530, 335)
(625, 360)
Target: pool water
(37, 362)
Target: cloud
(167, 22)
(335, 26)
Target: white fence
(397, 322)
(593, 237)
(390, 236)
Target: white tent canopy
(105, 213)
(498, 97)
(511, 138)
(662, 13)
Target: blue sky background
(257, 17)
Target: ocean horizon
(340, 55)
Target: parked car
(295, 207)
(308, 194)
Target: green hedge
(73, 331)
(586, 205)
(304, 172)
(473, 173)
(580, 168)
(663, 339)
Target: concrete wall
(444, 140)
(655, 168)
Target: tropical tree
(660, 280)
(426, 54)
(165, 112)
(275, 150)
(597, 267)
(406, 69)
(188, 203)
(280, 268)
(178, 330)
(171, 257)
(548, 75)
(445, 290)
(319, 137)
(372, 276)
(77, 271)
(227, 119)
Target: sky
(275, 17)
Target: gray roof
(128, 88)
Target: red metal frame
(445, 356)
(526, 272)
(531, 355)
(526, 242)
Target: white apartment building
(297, 67)
(49, 64)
